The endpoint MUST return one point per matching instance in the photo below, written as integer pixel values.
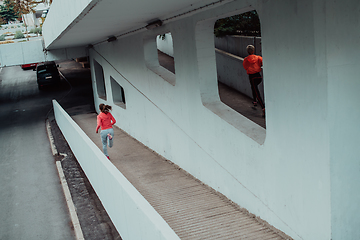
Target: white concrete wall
(58, 21)
(32, 52)
(30, 20)
(342, 71)
(237, 44)
(301, 174)
(131, 214)
(280, 174)
(20, 53)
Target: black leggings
(255, 80)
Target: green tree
(25, 6)
(7, 11)
(22, 7)
(247, 24)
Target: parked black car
(47, 74)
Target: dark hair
(104, 108)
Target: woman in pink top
(105, 120)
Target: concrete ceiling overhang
(107, 18)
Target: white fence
(132, 215)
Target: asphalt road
(32, 202)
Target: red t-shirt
(252, 64)
(105, 121)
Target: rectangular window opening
(232, 36)
(165, 50)
(100, 80)
(118, 93)
(159, 56)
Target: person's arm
(98, 124)
(113, 121)
(245, 64)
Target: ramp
(192, 209)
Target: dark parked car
(47, 74)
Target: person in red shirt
(252, 65)
(105, 120)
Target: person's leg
(252, 89)
(103, 135)
(255, 81)
(111, 132)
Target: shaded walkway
(193, 210)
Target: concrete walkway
(192, 209)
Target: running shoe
(109, 136)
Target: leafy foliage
(19, 35)
(162, 36)
(13, 9)
(24, 6)
(7, 11)
(2, 37)
(247, 24)
(36, 30)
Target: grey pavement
(192, 209)
(32, 202)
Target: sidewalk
(192, 209)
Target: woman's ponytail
(104, 108)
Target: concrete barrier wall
(33, 51)
(237, 44)
(22, 52)
(132, 215)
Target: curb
(70, 204)
(51, 139)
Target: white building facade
(302, 173)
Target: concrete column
(343, 57)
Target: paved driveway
(32, 203)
